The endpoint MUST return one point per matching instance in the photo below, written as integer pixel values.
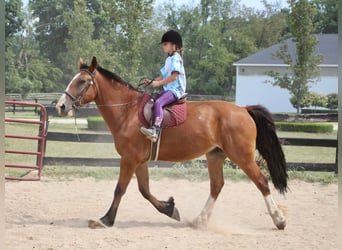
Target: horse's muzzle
(64, 109)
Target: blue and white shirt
(174, 63)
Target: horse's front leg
(215, 160)
(165, 207)
(127, 168)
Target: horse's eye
(81, 82)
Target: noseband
(76, 100)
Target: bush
(96, 123)
(305, 127)
(332, 101)
(318, 111)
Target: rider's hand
(146, 81)
(155, 83)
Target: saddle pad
(174, 114)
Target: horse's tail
(268, 145)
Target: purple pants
(165, 98)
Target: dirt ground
(53, 214)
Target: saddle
(174, 114)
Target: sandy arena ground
(53, 214)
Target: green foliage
(318, 111)
(13, 17)
(26, 70)
(133, 17)
(303, 68)
(96, 123)
(304, 127)
(45, 41)
(311, 99)
(51, 31)
(217, 33)
(332, 101)
(326, 20)
(80, 29)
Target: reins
(120, 104)
(125, 103)
(76, 100)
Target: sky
(248, 3)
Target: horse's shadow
(83, 223)
(136, 224)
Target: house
(251, 77)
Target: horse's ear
(81, 61)
(93, 64)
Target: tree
(26, 70)
(208, 56)
(43, 46)
(13, 17)
(112, 30)
(13, 26)
(303, 68)
(51, 30)
(332, 101)
(217, 33)
(326, 19)
(133, 17)
(80, 30)
(268, 25)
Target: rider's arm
(148, 81)
(158, 82)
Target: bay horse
(217, 129)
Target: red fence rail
(40, 138)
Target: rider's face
(169, 47)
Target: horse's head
(80, 90)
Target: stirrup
(151, 133)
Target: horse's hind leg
(215, 159)
(254, 173)
(165, 207)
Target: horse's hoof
(279, 220)
(197, 224)
(96, 224)
(281, 225)
(175, 214)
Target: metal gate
(41, 124)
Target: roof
(327, 45)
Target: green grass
(196, 172)
(306, 153)
(332, 135)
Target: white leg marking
(276, 214)
(203, 218)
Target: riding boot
(152, 133)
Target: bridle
(76, 100)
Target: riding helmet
(174, 37)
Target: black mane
(110, 75)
